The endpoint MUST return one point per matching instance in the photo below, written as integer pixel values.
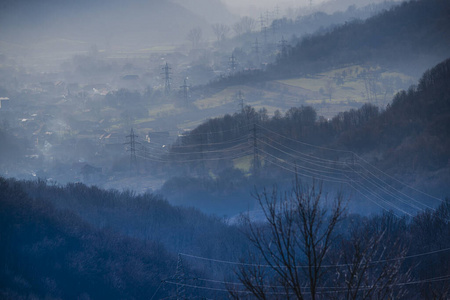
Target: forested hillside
(411, 37)
(412, 33)
(409, 32)
(413, 132)
(51, 253)
(409, 139)
(421, 112)
(280, 198)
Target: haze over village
(217, 149)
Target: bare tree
(244, 25)
(248, 24)
(293, 242)
(371, 263)
(237, 28)
(299, 257)
(329, 89)
(220, 31)
(195, 37)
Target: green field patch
(328, 92)
(311, 84)
(162, 110)
(243, 163)
(348, 85)
(402, 76)
(189, 125)
(315, 101)
(145, 120)
(157, 49)
(223, 97)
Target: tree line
(413, 31)
(416, 119)
(306, 246)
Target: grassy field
(351, 84)
(329, 93)
(244, 163)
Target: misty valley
(216, 149)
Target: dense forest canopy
(69, 242)
(411, 31)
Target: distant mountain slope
(322, 21)
(213, 11)
(414, 132)
(414, 33)
(331, 6)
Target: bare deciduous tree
(244, 25)
(220, 31)
(293, 242)
(248, 24)
(371, 263)
(195, 37)
(237, 28)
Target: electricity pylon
(167, 78)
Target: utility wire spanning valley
(306, 160)
(198, 283)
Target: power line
(197, 145)
(173, 157)
(240, 99)
(322, 266)
(201, 287)
(313, 165)
(352, 153)
(371, 200)
(364, 177)
(306, 154)
(309, 170)
(380, 198)
(179, 277)
(304, 143)
(387, 184)
(325, 289)
(212, 132)
(411, 187)
(234, 140)
(236, 156)
(185, 88)
(305, 160)
(132, 142)
(389, 193)
(379, 187)
(233, 63)
(256, 162)
(154, 294)
(434, 279)
(228, 149)
(167, 78)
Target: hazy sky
(267, 2)
(255, 7)
(243, 7)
